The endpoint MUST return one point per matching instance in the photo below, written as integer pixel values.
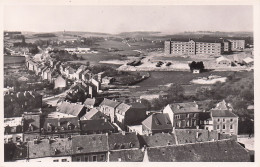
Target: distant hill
(138, 34)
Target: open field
(177, 77)
(13, 59)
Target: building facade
(193, 47)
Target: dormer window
(30, 127)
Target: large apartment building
(197, 46)
(237, 44)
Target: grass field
(158, 78)
(13, 59)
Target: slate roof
(44, 148)
(218, 151)
(184, 136)
(119, 141)
(158, 121)
(70, 108)
(158, 139)
(184, 107)
(83, 144)
(62, 124)
(222, 113)
(33, 120)
(96, 125)
(15, 152)
(110, 103)
(126, 155)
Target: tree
(146, 103)
(175, 92)
(196, 65)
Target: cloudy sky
(115, 19)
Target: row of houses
(202, 46)
(248, 61)
(128, 147)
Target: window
(231, 126)
(102, 158)
(64, 160)
(78, 159)
(224, 120)
(231, 120)
(55, 160)
(94, 158)
(224, 126)
(86, 158)
(218, 119)
(217, 126)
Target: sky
(116, 19)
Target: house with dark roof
(93, 148)
(60, 127)
(157, 140)
(15, 152)
(185, 136)
(13, 129)
(224, 121)
(50, 150)
(126, 155)
(97, 126)
(31, 126)
(16, 104)
(213, 151)
(73, 109)
(129, 114)
(123, 140)
(108, 107)
(183, 115)
(157, 123)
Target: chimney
(123, 132)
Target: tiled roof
(184, 107)
(50, 148)
(222, 113)
(94, 114)
(218, 151)
(126, 155)
(71, 108)
(60, 125)
(185, 136)
(110, 103)
(248, 60)
(90, 101)
(119, 141)
(96, 125)
(122, 108)
(89, 143)
(158, 139)
(158, 121)
(221, 58)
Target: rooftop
(89, 143)
(224, 151)
(110, 103)
(126, 155)
(158, 139)
(123, 141)
(70, 108)
(158, 121)
(222, 113)
(96, 125)
(184, 107)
